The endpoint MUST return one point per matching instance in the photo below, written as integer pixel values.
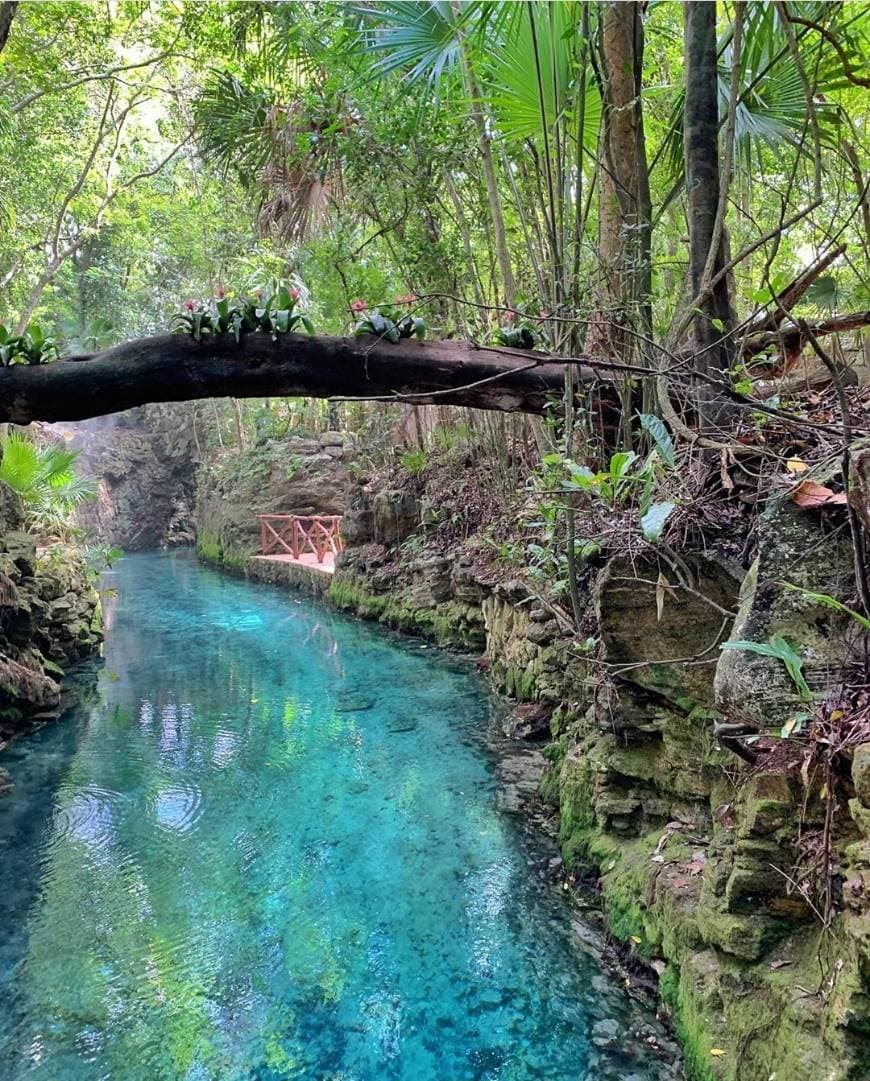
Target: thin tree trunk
(701, 150)
(624, 207)
(240, 431)
(492, 193)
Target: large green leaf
(656, 429)
(419, 37)
(531, 78)
(653, 522)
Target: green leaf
(621, 462)
(779, 648)
(653, 522)
(831, 602)
(659, 434)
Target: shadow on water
(275, 847)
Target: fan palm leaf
(772, 106)
(540, 38)
(286, 152)
(420, 37)
(44, 478)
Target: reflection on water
(273, 850)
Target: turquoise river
(270, 845)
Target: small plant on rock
(415, 462)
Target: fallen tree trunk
(174, 368)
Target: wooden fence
(296, 534)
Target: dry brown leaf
(810, 494)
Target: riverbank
(695, 850)
(50, 621)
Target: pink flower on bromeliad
(510, 316)
(294, 293)
(221, 292)
(190, 305)
(358, 306)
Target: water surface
(272, 848)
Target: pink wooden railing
(295, 534)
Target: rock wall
(696, 850)
(145, 462)
(49, 619)
(291, 476)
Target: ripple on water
(87, 815)
(176, 807)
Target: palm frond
(286, 153)
(772, 108)
(419, 37)
(44, 478)
(523, 107)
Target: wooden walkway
(304, 560)
(311, 540)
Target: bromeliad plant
(274, 312)
(30, 347)
(390, 323)
(517, 332)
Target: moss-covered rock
(49, 620)
(795, 548)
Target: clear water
(271, 847)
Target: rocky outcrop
(145, 463)
(49, 620)
(291, 476)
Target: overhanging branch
(174, 368)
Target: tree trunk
(624, 209)
(701, 150)
(174, 368)
(7, 13)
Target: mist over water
(273, 849)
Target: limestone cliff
(145, 463)
(49, 620)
